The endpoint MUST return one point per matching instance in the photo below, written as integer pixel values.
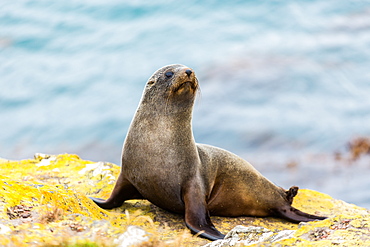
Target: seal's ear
(151, 82)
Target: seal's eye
(169, 74)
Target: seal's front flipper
(123, 190)
(295, 215)
(197, 216)
(106, 204)
(98, 201)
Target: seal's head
(173, 85)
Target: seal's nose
(188, 72)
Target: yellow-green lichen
(44, 202)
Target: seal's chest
(165, 193)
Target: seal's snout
(188, 72)
(184, 81)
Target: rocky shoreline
(44, 202)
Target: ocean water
(282, 82)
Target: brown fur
(162, 163)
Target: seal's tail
(295, 215)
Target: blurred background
(284, 84)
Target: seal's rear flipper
(291, 193)
(295, 215)
(196, 214)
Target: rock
(358, 147)
(133, 236)
(244, 236)
(44, 202)
(4, 229)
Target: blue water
(281, 81)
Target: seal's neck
(162, 117)
(170, 128)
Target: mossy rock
(44, 202)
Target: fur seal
(162, 163)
